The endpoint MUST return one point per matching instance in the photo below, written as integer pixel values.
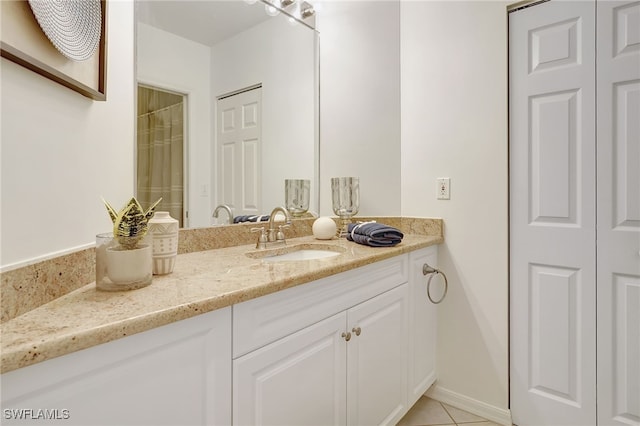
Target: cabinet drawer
(263, 320)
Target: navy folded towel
(374, 234)
(251, 218)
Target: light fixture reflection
(271, 10)
(307, 11)
(298, 11)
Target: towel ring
(431, 271)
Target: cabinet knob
(347, 336)
(356, 330)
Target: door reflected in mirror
(239, 145)
(160, 150)
(209, 52)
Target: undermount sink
(297, 253)
(302, 254)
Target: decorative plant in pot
(129, 259)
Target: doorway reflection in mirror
(160, 150)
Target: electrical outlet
(443, 188)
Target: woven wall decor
(73, 26)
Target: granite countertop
(201, 282)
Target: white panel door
(618, 151)
(238, 134)
(377, 359)
(297, 380)
(552, 214)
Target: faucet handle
(262, 238)
(280, 234)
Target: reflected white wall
(360, 102)
(282, 58)
(170, 62)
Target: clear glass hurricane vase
(345, 194)
(296, 194)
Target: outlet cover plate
(443, 191)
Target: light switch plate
(443, 188)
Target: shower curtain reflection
(160, 149)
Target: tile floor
(427, 412)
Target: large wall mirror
(227, 108)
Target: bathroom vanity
(344, 340)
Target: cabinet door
(422, 323)
(297, 380)
(176, 374)
(377, 359)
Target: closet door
(618, 113)
(239, 133)
(552, 214)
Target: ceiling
(204, 21)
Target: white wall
(62, 152)
(451, 58)
(454, 124)
(282, 58)
(360, 102)
(170, 62)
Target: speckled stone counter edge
(203, 281)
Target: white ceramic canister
(164, 233)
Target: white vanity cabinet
(423, 323)
(377, 359)
(177, 374)
(293, 363)
(317, 376)
(297, 380)
(355, 348)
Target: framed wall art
(64, 41)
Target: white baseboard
(473, 406)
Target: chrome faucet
(224, 207)
(278, 235)
(271, 235)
